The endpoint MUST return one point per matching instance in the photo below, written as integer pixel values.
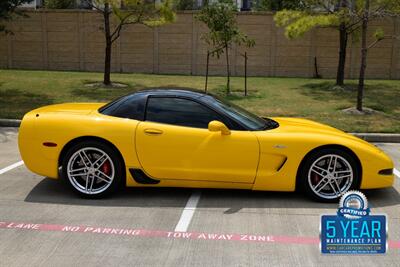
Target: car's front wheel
(329, 173)
(92, 169)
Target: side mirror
(217, 126)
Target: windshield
(248, 119)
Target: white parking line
(12, 166)
(188, 212)
(396, 172)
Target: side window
(181, 112)
(131, 108)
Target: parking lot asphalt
(42, 223)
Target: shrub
(60, 4)
(185, 4)
(274, 5)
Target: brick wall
(73, 40)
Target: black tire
(116, 163)
(304, 180)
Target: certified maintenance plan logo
(353, 230)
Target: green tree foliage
(275, 5)
(8, 9)
(347, 16)
(146, 12)
(185, 4)
(367, 11)
(60, 4)
(220, 18)
(327, 13)
(297, 23)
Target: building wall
(73, 40)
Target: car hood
(304, 126)
(297, 125)
(72, 108)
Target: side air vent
(140, 177)
(386, 172)
(283, 163)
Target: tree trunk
(245, 73)
(343, 36)
(208, 62)
(364, 50)
(107, 65)
(228, 72)
(107, 33)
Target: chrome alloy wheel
(90, 170)
(330, 176)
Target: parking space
(136, 226)
(8, 146)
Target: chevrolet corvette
(186, 138)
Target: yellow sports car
(184, 138)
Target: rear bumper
(32, 151)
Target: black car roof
(170, 91)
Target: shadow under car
(55, 192)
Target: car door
(174, 143)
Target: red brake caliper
(316, 179)
(106, 167)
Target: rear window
(130, 107)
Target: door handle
(153, 131)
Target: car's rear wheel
(92, 169)
(329, 173)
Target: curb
(379, 137)
(370, 137)
(9, 123)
